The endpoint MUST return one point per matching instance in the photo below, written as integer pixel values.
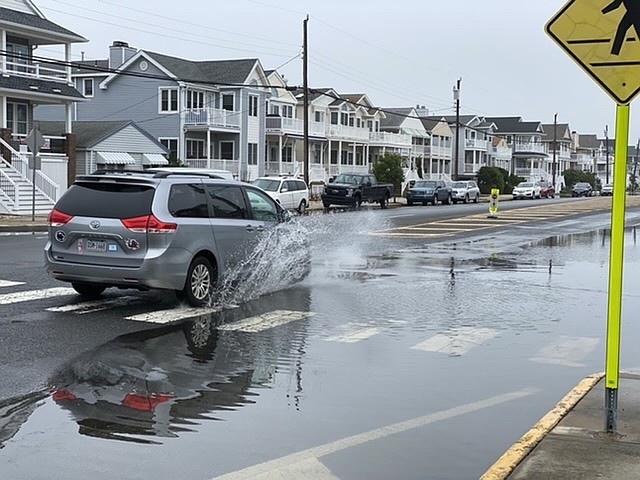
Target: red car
(547, 190)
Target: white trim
(170, 111)
(131, 61)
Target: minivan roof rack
(157, 173)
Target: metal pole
(635, 169)
(555, 140)
(305, 86)
(456, 96)
(33, 190)
(616, 260)
(606, 143)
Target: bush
(571, 177)
(388, 169)
(495, 177)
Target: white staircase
(16, 187)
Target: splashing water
(284, 254)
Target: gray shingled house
(207, 113)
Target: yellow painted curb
(512, 458)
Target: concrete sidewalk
(569, 442)
(23, 223)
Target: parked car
(526, 190)
(156, 230)
(547, 190)
(581, 189)
(429, 191)
(465, 191)
(291, 193)
(607, 189)
(352, 189)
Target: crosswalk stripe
(9, 283)
(94, 305)
(9, 298)
(456, 341)
(172, 314)
(265, 321)
(355, 332)
(568, 351)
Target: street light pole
(555, 140)
(606, 146)
(456, 97)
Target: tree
(388, 169)
(490, 177)
(571, 177)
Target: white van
(291, 193)
(226, 174)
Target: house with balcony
(30, 79)
(529, 157)
(475, 134)
(558, 141)
(437, 161)
(209, 114)
(500, 153)
(401, 132)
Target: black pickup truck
(352, 189)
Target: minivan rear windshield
(106, 200)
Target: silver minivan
(148, 230)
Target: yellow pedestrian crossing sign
(603, 37)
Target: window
(226, 150)
(287, 111)
(228, 102)
(252, 154)
(275, 110)
(17, 114)
(172, 146)
(253, 106)
(168, 100)
(287, 154)
(263, 207)
(319, 117)
(108, 200)
(334, 157)
(344, 119)
(195, 99)
(195, 149)
(334, 118)
(227, 202)
(87, 87)
(188, 201)
(17, 55)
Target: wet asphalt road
(404, 354)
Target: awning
(154, 159)
(115, 158)
(415, 132)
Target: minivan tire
(88, 290)
(200, 282)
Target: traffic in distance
(192, 231)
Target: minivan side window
(188, 200)
(227, 202)
(264, 209)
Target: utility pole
(305, 86)
(555, 146)
(456, 97)
(635, 169)
(606, 146)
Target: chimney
(119, 53)
(422, 111)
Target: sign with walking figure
(603, 37)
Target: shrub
(388, 169)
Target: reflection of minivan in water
(290, 193)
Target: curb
(507, 463)
(26, 228)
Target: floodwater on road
(380, 334)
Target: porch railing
(20, 163)
(215, 163)
(9, 189)
(212, 117)
(39, 70)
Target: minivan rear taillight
(57, 218)
(148, 224)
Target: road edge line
(507, 463)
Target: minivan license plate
(96, 246)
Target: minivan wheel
(89, 290)
(302, 207)
(200, 282)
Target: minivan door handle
(250, 228)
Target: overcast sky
(399, 52)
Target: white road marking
(265, 321)
(355, 332)
(567, 352)
(273, 469)
(9, 298)
(172, 314)
(95, 305)
(9, 283)
(457, 341)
